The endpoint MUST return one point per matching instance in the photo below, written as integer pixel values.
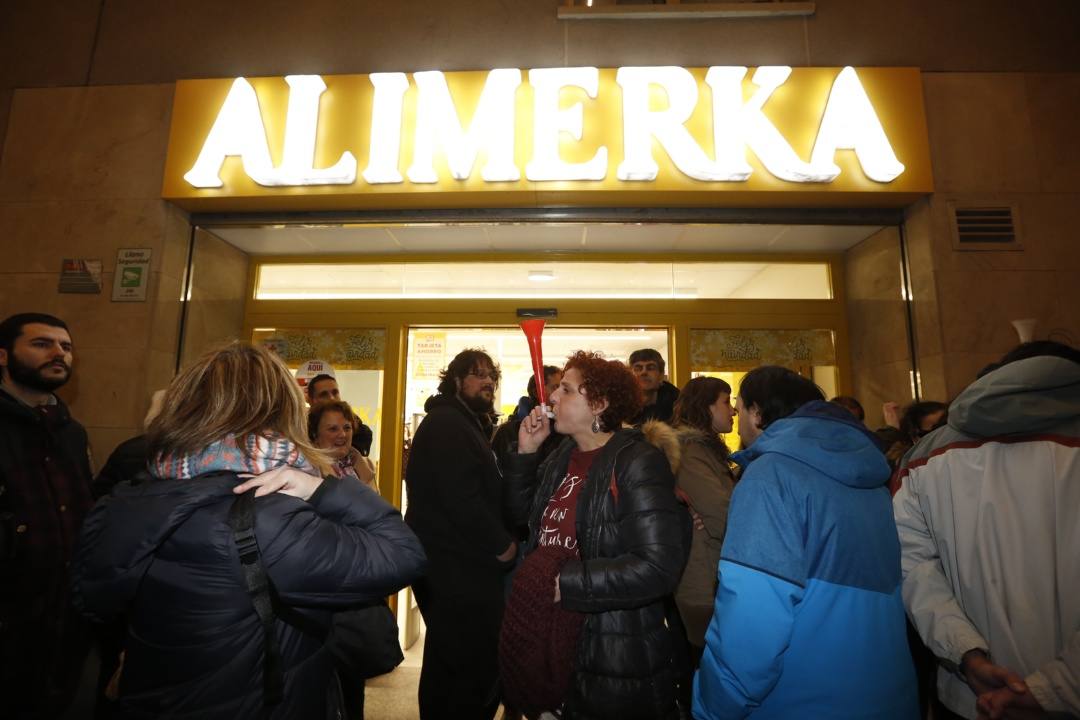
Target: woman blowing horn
(607, 544)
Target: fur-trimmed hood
(666, 438)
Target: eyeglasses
(493, 376)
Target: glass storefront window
(730, 354)
(355, 356)
(546, 280)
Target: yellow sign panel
(632, 136)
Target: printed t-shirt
(558, 523)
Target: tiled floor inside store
(393, 696)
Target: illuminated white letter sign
(702, 132)
(386, 127)
(549, 121)
(641, 125)
(850, 123)
(239, 130)
(492, 127)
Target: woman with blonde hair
(168, 553)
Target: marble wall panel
(1045, 223)
(963, 367)
(95, 322)
(215, 311)
(919, 241)
(5, 111)
(177, 242)
(981, 134)
(932, 378)
(46, 42)
(166, 308)
(48, 231)
(86, 143)
(878, 384)
(877, 317)
(51, 42)
(214, 39)
(1053, 99)
(998, 35)
(978, 307)
(1064, 326)
(160, 369)
(106, 388)
(103, 440)
(690, 43)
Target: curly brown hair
(610, 380)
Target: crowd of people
(603, 555)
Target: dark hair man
(321, 388)
(44, 495)
(324, 387)
(990, 535)
(660, 395)
(552, 378)
(808, 619)
(455, 508)
(852, 405)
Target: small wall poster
(78, 275)
(132, 275)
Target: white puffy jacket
(989, 520)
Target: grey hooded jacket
(990, 532)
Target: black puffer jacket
(633, 539)
(162, 552)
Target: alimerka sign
(662, 136)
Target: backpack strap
(242, 523)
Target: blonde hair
(236, 390)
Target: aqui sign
(721, 135)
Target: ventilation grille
(985, 226)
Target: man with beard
(44, 494)
(455, 508)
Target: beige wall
(80, 178)
(877, 323)
(219, 279)
(85, 95)
(997, 139)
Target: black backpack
(362, 641)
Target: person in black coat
(608, 495)
(45, 491)
(455, 507)
(162, 551)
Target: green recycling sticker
(131, 277)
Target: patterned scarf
(259, 454)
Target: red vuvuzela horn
(533, 329)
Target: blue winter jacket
(809, 622)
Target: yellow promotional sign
(634, 136)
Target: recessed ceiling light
(541, 275)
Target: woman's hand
(364, 467)
(558, 593)
(534, 430)
(285, 479)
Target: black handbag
(362, 641)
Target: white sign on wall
(132, 275)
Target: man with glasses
(455, 508)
